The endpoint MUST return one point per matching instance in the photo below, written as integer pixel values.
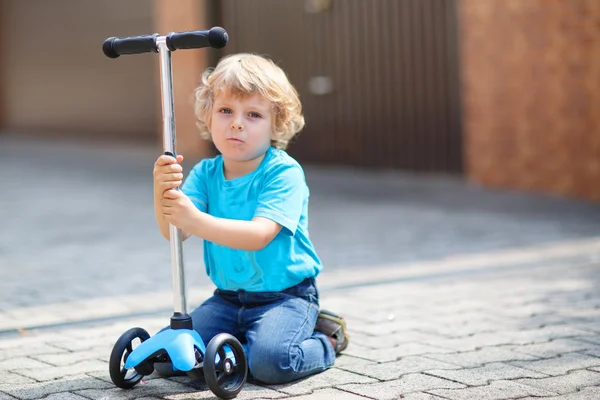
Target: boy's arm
(236, 234)
(177, 208)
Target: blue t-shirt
(276, 190)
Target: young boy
(249, 204)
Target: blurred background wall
(531, 94)
(55, 79)
(502, 92)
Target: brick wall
(531, 94)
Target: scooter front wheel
(225, 376)
(122, 377)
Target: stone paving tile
(394, 370)
(593, 351)
(330, 394)
(544, 334)
(565, 383)
(591, 393)
(10, 378)
(48, 373)
(88, 343)
(39, 390)
(456, 331)
(330, 378)
(407, 384)
(154, 388)
(483, 375)
(249, 391)
(28, 350)
(553, 348)
(65, 396)
(595, 339)
(394, 353)
(345, 360)
(470, 359)
(560, 365)
(419, 396)
(474, 342)
(391, 340)
(71, 358)
(497, 390)
(593, 326)
(4, 396)
(21, 363)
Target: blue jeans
(278, 328)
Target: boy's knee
(270, 365)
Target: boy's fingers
(165, 160)
(179, 158)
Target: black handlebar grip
(215, 37)
(113, 47)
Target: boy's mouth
(235, 140)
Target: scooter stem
(179, 289)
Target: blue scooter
(223, 362)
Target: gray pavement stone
(497, 390)
(330, 378)
(394, 370)
(595, 339)
(396, 352)
(474, 342)
(419, 396)
(249, 391)
(64, 396)
(31, 391)
(50, 374)
(484, 375)
(564, 384)
(554, 348)
(486, 355)
(70, 358)
(29, 349)
(546, 333)
(21, 363)
(593, 351)
(153, 388)
(4, 396)
(592, 393)
(10, 378)
(560, 365)
(406, 384)
(331, 394)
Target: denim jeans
(278, 328)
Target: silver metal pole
(179, 290)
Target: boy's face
(241, 127)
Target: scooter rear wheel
(122, 377)
(226, 376)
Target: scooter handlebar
(215, 37)
(114, 47)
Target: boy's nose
(237, 126)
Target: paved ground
(451, 291)
(522, 324)
(77, 215)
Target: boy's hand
(168, 173)
(178, 209)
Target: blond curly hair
(245, 74)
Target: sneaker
(333, 326)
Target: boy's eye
(254, 115)
(225, 111)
